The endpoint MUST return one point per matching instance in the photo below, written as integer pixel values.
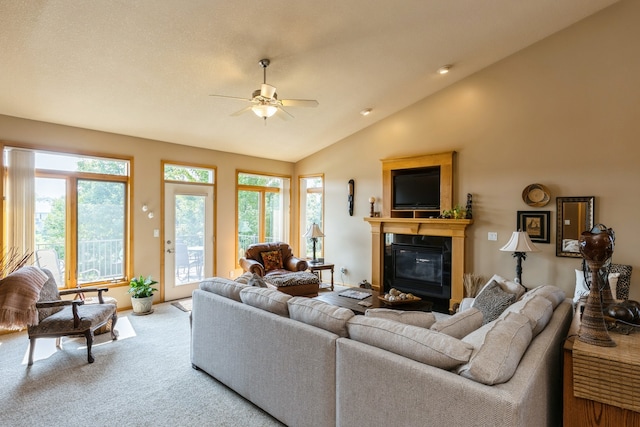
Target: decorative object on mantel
(519, 244)
(458, 212)
(314, 233)
(596, 247)
(536, 195)
(372, 202)
(468, 208)
(351, 190)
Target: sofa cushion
(272, 260)
(266, 299)
(460, 324)
(492, 301)
(550, 292)
(498, 348)
(320, 314)
(223, 287)
(420, 344)
(537, 309)
(415, 318)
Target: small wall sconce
(145, 208)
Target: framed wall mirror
(574, 215)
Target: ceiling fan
(265, 102)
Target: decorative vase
(596, 247)
(142, 305)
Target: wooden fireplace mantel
(454, 228)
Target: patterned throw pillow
(257, 281)
(492, 301)
(272, 260)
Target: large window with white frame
(311, 198)
(263, 209)
(71, 212)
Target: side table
(316, 268)
(586, 412)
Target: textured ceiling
(145, 68)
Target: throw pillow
(257, 280)
(492, 301)
(537, 309)
(266, 299)
(498, 348)
(272, 260)
(244, 277)
(460, 324)
(415, 318)
(419, 344)
(223, 287)
(320, 314)
(506, 285)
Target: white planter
(142, 305)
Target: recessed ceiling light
(366, 112)
(444, 69)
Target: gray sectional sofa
(311, 364)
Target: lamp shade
(314, 231)
(519, 242)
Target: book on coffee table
(354, 294)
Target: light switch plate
(492, 236)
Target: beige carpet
(144, 378)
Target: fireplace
(418, 264)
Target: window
(263, 209)
(311, 211)
(73, 215)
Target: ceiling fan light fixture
(267, 91)
(264, 110)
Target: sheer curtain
(21, 200)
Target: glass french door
(188, 238)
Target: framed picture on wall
(536, 224)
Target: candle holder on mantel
(372, 202)
(596, 247)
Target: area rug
(184, 304)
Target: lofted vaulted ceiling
(145, 68)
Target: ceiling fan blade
(299, 102)
(232, 97)
(285, 114)
(244, 110)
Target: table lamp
(519, 244)
(313, 233)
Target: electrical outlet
(231, 274)
(493, 236)
(343, 270)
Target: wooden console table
(582, 412)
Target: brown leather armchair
(252, 260)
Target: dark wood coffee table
(334, 298)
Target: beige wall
(147, 156)
(563, 113)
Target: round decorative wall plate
(536, 195)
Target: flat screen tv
(417, 189)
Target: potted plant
(141, 291)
